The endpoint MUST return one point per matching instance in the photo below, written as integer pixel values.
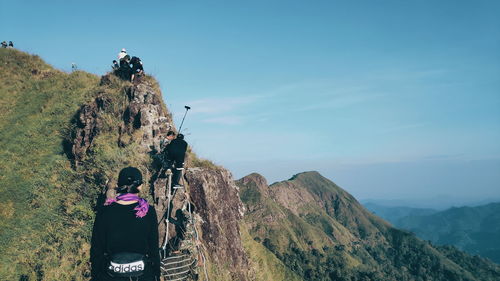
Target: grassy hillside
(44, 220)
(48, 206)
(265, 265)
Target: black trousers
(174, 166)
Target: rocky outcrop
(143, 111)
(88, 125)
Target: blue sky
(389, 99)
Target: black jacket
(117, 229)
(176, 150)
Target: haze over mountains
(438, 202)
(64, 137)
(475, 230)
(394, 214)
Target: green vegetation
(264, 264)
(47, 212)
(192, 160)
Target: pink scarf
(142, 208)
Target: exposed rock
(218, 213)
(144, 111)
(88, 125)
(258, 181)
(216, 198)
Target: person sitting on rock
(11, 45)
(115, 65)
(4, 44)
(175, 152)
(137, 69)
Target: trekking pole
(187, 108)
(169, 197)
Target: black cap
(130, 176)
(180, 136)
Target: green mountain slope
(320, 232)
(475, 230)
(44, 223)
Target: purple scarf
(142, 208)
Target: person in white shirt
(122, 54)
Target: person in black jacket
(175, 152)
(137, 69)
(115, 66)
(124, 242)
(125, 71)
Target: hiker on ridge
(125, 71)
(11, 45)
(175, 152)
(137, 69)
(115, 65)
(165, 141)
(4, 44)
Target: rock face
(215, 195)
(88, 125)
(143, 111)
(218, 211)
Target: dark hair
(180, 136)
(129, 180)
(170, 133)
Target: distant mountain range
(318, 231)
(394, 214)
(475, 230)
(438, 202)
